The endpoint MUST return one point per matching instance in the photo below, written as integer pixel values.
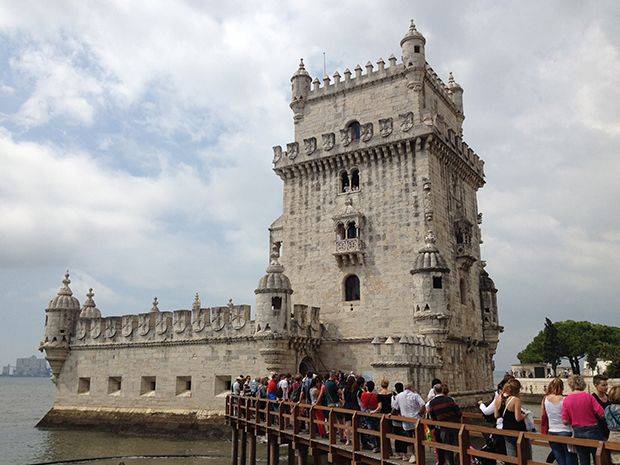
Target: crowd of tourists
(579, 414)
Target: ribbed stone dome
(274, 280)
(429, 258)
(90, 310)
(301, 71)
(412, 33)
(64, 300)
(486, 283)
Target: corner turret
(412, 45)
(273, 298)
(430, 289)
(300, 88)
(60, 322)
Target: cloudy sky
(135, 145)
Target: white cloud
(161, 181)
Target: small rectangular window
(114, 385)
(437, 282)
(148, 385)
(223, 385)
(83, 385)
(184, 386)
(416, 48)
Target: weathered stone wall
(208, 365)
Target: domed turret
(90, 310)
(429, 259)
(488, 298)
(300, 88)
(456, 92)
(60, 320)
(430, 297)
(412, 45)
(273, 303)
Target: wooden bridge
(317, 431)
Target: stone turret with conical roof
(430, 289)
(273, 298)
(300, 88)
(61, 316)
(90, 310)
(412, 45)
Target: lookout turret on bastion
(374, 265)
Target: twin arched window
(350, 182)
(351, 288)
(348, 232)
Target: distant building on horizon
(28, 366)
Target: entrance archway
(306, 365)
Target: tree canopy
(574, 340)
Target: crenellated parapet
(166, 326)
(405, 351)
(385, 137)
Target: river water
(24, 401)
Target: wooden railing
(321, 429)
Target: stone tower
(380, 223)
(60, 322)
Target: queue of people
(578, 414)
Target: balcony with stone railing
(349, 251)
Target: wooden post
(523, 453)
(333, 437)
(269, 446)
(295, 421)
(274, 450)
(243, 442)
(602, 454)
(385, 427)
(420, 454)
(252, 452)
(301, 454)
(234, 453)
(291, 454)
(463, 446)
(311, 424)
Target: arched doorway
(306, 365)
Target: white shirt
(409, 404)
(283, 384)
(236, 388)
(431, 395)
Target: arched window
(341, 232)
(355, 179)
(355, 129)
(351, 288)
(276, 303)
(463, 289)
(351, 230)
(344, 181)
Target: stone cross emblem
(386, 126)
(329, 140)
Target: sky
(135, 146)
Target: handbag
(544, 424)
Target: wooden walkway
(318, 431)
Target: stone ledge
(202, 423)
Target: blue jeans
(560, 451)
(587, 432)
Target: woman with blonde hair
(612, 417)
(581, 411)
(508, 407)
(552, 407)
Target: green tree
(573, 340)
(551, 345)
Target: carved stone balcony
(349, 251)
(465, 255)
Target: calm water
(24, 401)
